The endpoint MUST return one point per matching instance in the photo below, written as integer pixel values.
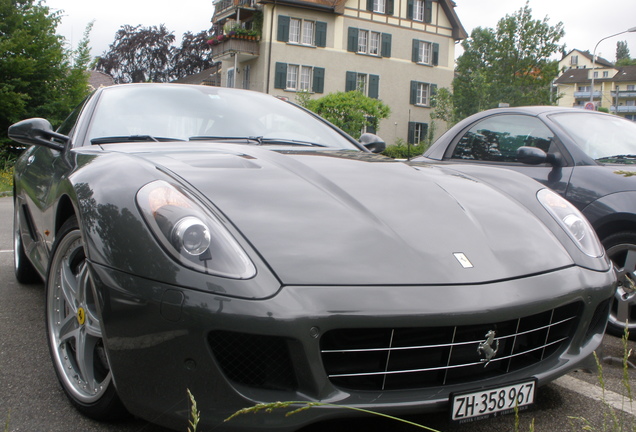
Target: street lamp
(630, 30)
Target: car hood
(346, 217)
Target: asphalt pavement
(31, 399)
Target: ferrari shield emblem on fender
(463, 260)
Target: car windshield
(604, 138)
(179, 112)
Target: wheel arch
(621, 222)
(65, 210)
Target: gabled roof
(599, 60)
(574, 76)
(98, 79)
(626, 73)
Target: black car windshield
(182, 112)
(604, 138)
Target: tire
(621, 249)
(74, 330)
(25, 273)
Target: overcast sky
(585, 21)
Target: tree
(192, 57)
(38, 79)
(622, 55)
(351, 111)
(444, 108)
(139, 54)
(508, 64)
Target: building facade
(614, 87)
(399, 51)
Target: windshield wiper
(258, 140)
(617, 157)
(131, 138)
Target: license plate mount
(491, 402)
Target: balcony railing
(624, 94)
(245, 48)
(623, 109)
(223, 5)
(586, 95)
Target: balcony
(623, 109)
(624, 94)
(586, 95)
(225, 9)
(246, 49)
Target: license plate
(477, 405)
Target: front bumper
(232, 353)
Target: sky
(586, 22)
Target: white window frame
(418, 131)
(422, 97)
(362, 83)
(309, 33)
(379, 6)
(231, 78)
(363, 41)
(295, 26)
(369, 42)
(425, 53)
(418, 10)
(291, 83)
(374, 43)
(306, 76)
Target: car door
(495, 140)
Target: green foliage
(38, 77)
(402, 150)
(195, 414)
(350, 111)
(444, 106)
(508, 64)
(626, 62)
(622, 51)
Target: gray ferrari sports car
(232, 244)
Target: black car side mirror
(37, 131)
(372, 142)
(536, 156)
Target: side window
(497, 138)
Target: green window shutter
(413, 92)
(435, 54)
(428, 11)
(389, 7)
(433, 102)
(386, 45)
(374, 86)
(350, 83)
(283, 29)
(411, 138)
(370, 5)
(371, 125)
(280, 76)
(416, 50)
(321, 34)
(318, 85)
(352, 39)
(409, 9)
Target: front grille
(253, 360)
(406, 358)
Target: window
(574, 60)
(246, 77)
(595, 74)
(308, 33)
(630, 103)
(417, 132)
(379, 6)
(369, 42)
(302, 32)
(421, 93)
(605, 74)
(367, 84)
(497, 138)
(584, 88)
(230, 78)
(630, 87)
(426, 53)
(420, 10)
(292, 77)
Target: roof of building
(98, 79)
(206, 77)
(599, 60)
(573, 76)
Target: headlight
(190, 234)
(572, 221)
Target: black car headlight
(191, 234)
(572, 221)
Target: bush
(402, 150)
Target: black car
(231, 244)
(588, 157)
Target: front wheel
(621, 249)
(74, 330)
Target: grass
(6, 178)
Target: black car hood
(346, 217)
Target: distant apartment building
(399, 51)
(614, 87)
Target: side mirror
(531, 155)
(372, 142)
(37, 131)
